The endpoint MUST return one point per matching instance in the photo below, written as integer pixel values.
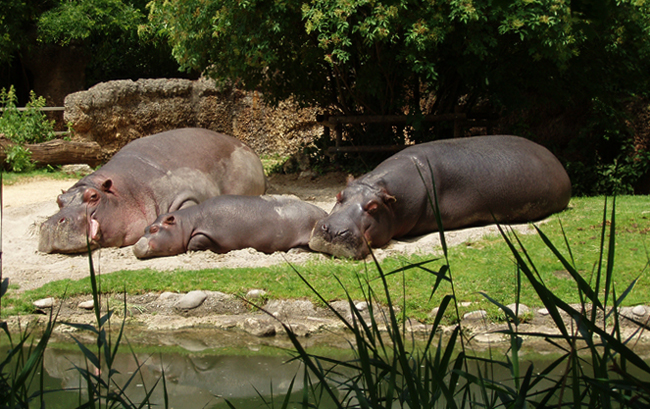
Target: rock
(543, 311)
(475, 315)
(257, 327)
(81, 169)
(191, 300)
(255, 294)
(168, 295)
(285, 309)
(639, 310)
(361, 306)
(87, 305)
(44, 303)
(114, 113)
(523, 309)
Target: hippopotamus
(478, 181)
(149, 176)
(266, 223)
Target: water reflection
(192, 380)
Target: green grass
(484, 265)
(12, 178)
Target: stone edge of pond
(170, 311)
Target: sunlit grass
(484, 265)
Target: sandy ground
(26, 206)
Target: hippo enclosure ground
(27, 205)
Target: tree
(43, 42)
(379, 57)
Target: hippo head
(82, 218)
(162, 238)
(362, 216)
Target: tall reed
(597, 367)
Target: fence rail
(46, 109)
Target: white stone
(87, 305)
(361, 306)
(523, 309)
(44, 303)
(191, 300)
(255, 294)
(475, 315)
(639, 310)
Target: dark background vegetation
(572, 75)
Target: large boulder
(116, 112)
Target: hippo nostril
(62, 220)
(325, 228)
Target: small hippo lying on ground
(152, 175)
(478, 180)
(229, 222)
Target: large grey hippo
(156, 174)
(478, 180)
(230, 222)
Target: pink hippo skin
(478, 180)
(156, 174)
(224, 223)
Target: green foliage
(26, 127)
(599, 368)
(370, 57)
(81, 20)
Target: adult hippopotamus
(230, 222)
(156, 174)
(478, 181)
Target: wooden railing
(336, 122)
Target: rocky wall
(116, 112)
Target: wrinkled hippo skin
(156, 174)
(478, 180)
(266, 223)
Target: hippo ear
(372, 206)
(349, 179)
(388, 198)
(169, 220)
(106, 186)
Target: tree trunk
(59, 152)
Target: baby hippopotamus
(266, 223)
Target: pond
(203, 368)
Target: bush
(23, 127)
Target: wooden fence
(336, 122)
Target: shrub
(23, 127)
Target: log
(59, 152)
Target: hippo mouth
(94, 231)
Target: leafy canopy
(377, 57)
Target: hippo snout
(141, 248)
(339, 242)
(65, 233)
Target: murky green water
(202, 368)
